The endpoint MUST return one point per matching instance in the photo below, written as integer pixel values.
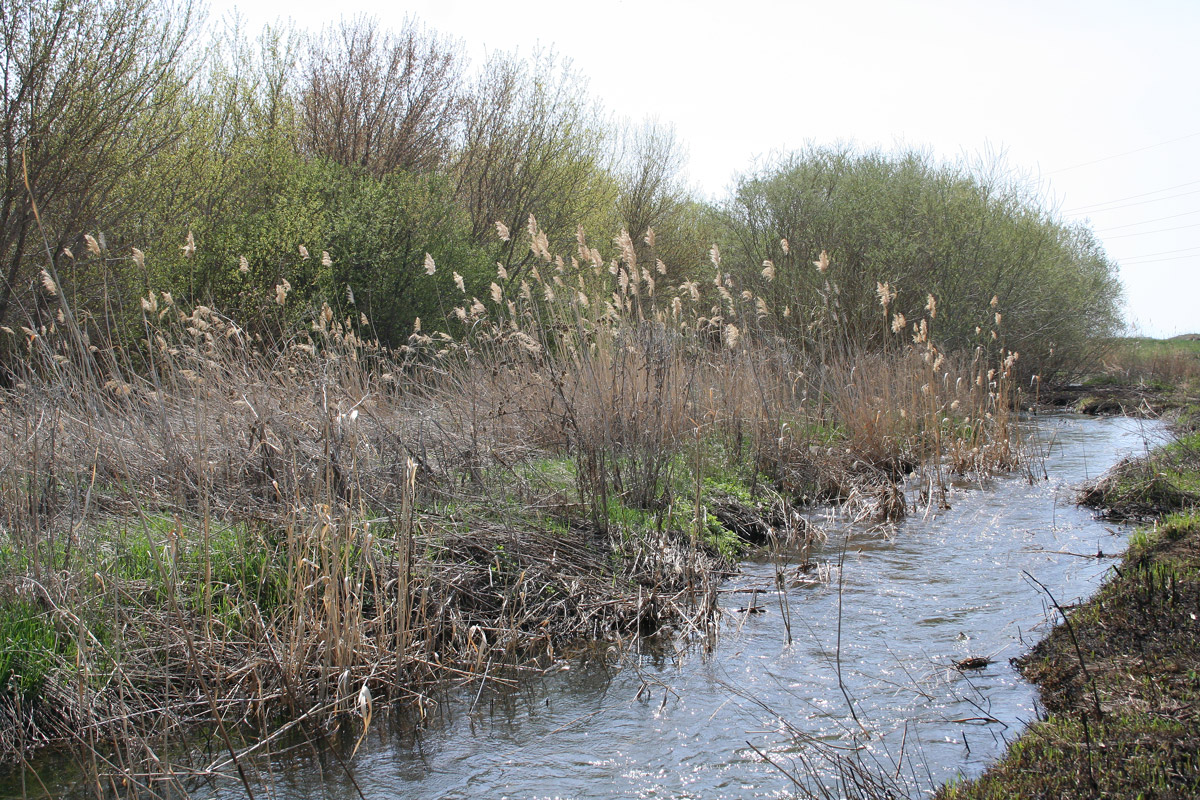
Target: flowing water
(908, 603)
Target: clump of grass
(1160, 365)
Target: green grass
(30, 647)
(1146, 347)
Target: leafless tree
(651, 193)
(380, 100)
(532, 144)
(88, 87)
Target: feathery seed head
(768, 271)
(822, 262)
(430, 267)
(502, 231)
(886, 293)
(625, 244)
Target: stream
(909, 602)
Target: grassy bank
(258, 528)
(1136, 376)
(1120, 676)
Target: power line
(1091, 210)
(1157, 260)
(1148, 221)
(1126, 153)
(1159, 253)
(1132, 196)
(1147, 233)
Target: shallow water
(911, 600)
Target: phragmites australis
(885, 292)
(822, 262)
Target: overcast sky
(1098, 101)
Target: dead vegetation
(255, 533)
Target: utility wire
(1126, 153)
(1147, 233)
(1131, 197)
(1147, 221)
(1139, 203)
(1157, 260)
(1160, 253)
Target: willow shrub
(925, 228)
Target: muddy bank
(1104, 399)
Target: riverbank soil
(1120, 677)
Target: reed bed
(263, 527)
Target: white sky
(1097, 99)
